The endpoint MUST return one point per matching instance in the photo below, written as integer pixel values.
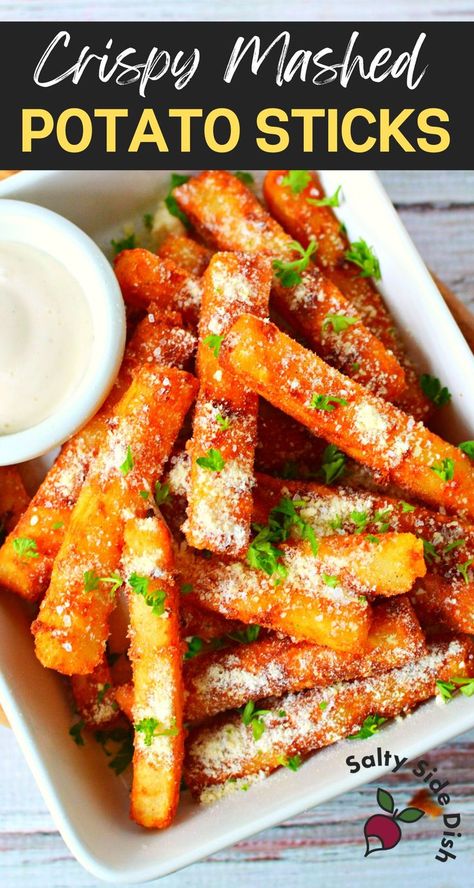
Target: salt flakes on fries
(276, 613)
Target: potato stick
(231, 218)
(227, 679)
(145, 278)
(306, 222)
(94, 697)
(304, 608)
(156, 656)
(13, 499)
(364, 426)
(198, 622)
(124, 696)
(285, 445)
(377, 565)
(297, 724)
(27, 571)
(72, 625)
(186, 253)
(225, 418)
(449, 608)
(448, 541)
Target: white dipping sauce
(45, 335)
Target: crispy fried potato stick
(124, 696)
(26, 559)
(227, 679)
(186, 253)
(298, 215)
(13, 499)
(318, 598)
(230, 217)
(94, 697)
(297, 724)
(207, 625)
(285, 445)
(144, 278)
(222, 447)
(72, 625)
(155, 653)
(364, 426)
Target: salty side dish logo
(385, 829)
(383, 832)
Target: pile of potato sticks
(261, 496)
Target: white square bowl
(88, 803)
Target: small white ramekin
(30, 224)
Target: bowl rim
(106, 308)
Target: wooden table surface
(322, 846)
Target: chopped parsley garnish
(355, 366)
(406, 507)
(380, 519)
(448, 689)
(57, 525)
(222, 422)
(102, 691)
(336, 523)
(127, 243)
(362, 255)
(360, 519)
(214, 342)
(326, 402)
(362, 599)
(145, 494)
(122, 757)
(162, 493)
(172, 203)
(244, 177)
(370, 726)
(263, 553)
(289, 273)
(293, 764)
(151, 727)
(372, 539)
(254, 717)
(25, 547)
(444, 469)
(128, 463)
(464, 568)
(76, 733)
(214, 461)
(297, 180)
(148, 221)
(323, 705)
(467, 447)
(333, 463)
(245, 636)
(281, 713)
(429, 550)
(330, 581)
(332, 201)
(339, 323)
(155, 599)
(195, 646)
(433, 390)
(186, 588)
(92, 581)
(456, 544)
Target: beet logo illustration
(384, 828)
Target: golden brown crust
(229, 216)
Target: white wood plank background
(236, 10)
(323, 845)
